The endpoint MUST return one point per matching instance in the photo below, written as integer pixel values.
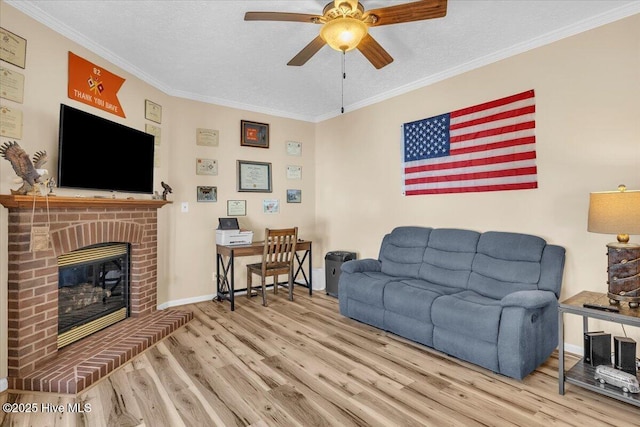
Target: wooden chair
(277, 259)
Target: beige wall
(186, 240)
(588, 138)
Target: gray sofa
(488, 298)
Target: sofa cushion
(367, 287)
(469, 314)
(449, 256)
(402, 251)
(413, 297)
(505, 263)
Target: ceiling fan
(345, 26)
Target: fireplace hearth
(37, 295)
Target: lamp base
(624, 273)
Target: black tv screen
(98, 154)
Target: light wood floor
(302, 364)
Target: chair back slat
(279, 247)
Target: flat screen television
(98, 154)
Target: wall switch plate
(184, 207)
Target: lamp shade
(343, 34)
(614, 212)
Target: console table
(225, 271)
(582, 374)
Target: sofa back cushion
(402, 251)
(506, 263)
(448, 257)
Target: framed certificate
(206, 167)
(236, 207)
(294, 148)
(207, 137)
(253, 134)
(13, 48)
(254, 176)
(11, 85)
(152, 111)
(294, 172)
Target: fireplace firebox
(93, 290)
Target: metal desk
(225, 272)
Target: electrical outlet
(184, 207)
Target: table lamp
(618, 212)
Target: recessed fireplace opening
(93, 290)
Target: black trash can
(332, 262)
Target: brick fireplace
(33, 288)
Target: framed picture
(13, 48)
(294, 196)
(236, 207)
(206, 167)
(207, 194)
(207, 137)
(253, 134)
(254, 176)
(152, 111)
(271, 206)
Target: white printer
(229, 233)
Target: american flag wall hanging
(487, 147)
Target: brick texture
(33, 276)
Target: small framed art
(294, 196)
(254, 134)
(207, 194)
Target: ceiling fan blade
(375, 53)
(408, 12)
(307, 52)
(282, 16)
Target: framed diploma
(254, 176)
(11, 85)
(152, 111)
(10, 122)
(253, 134)
(294, 148)
(207, 194)
(155, 131)
(13, 48)
(207, 137)
(206, 167)
(236, 207)
(294, 172)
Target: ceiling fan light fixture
(343, 34)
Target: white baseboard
(184, 301)
(4, 384)
(575, 349)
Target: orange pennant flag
(93, 85)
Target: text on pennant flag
(93, 85)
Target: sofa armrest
(529, 299)
(361, 265)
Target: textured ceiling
(204, 50)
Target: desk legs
(299, 270)
(225, 284)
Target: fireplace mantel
(26, 202)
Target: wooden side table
(582, 374)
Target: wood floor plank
(301, 363)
